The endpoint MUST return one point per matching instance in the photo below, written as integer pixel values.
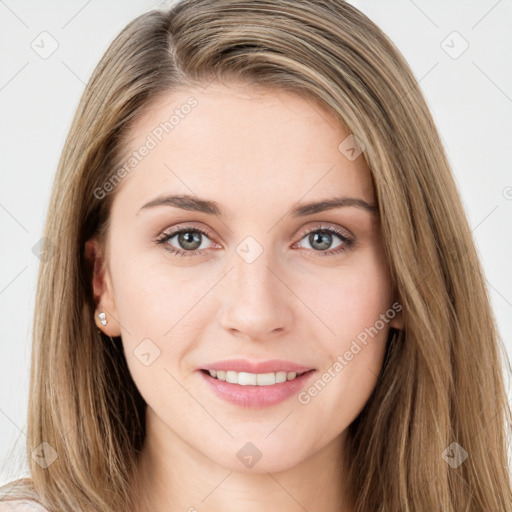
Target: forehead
(239, 141)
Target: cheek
(153, 296)
(357, 307)
(354, 298)
(160, 308)
(152, 301)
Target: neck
(173, 476)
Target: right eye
(188, 239)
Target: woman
(265, 294)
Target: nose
(257, 303)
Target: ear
(397, 322)
(102, 288)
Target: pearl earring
(103, 318)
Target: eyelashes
(319, 234)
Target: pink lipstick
(255, 383)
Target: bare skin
(258, 156)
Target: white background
(470, 98)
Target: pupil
(190, 240)
(324, 239)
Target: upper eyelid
(174, 231)
(302, 233)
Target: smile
(253, 379)
(255, 390)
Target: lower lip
(257, 396)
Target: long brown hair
(442, 382)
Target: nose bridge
(255, 303)
(251, 274)
(252, 279)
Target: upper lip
(269, 366)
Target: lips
(269, 366)
(256, 396)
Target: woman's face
(258, 274)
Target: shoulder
(20, 496)
(20, 506)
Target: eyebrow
(196, 204)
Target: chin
(258, 456)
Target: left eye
(320, 240)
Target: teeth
(252, 379)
